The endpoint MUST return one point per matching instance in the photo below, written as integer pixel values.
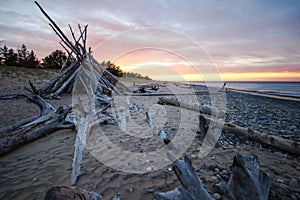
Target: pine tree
(22, 56)
(32, 60)
(11, 58)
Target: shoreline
(262, 94)
(250, 92)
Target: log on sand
(205, 109)
(30, 129)
(269, 140)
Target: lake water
(277, 88)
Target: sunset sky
(249, 40)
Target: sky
(236, 40)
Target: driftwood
(147, 88)
(191, 186)
(205, 109)
(74, 193)
(30, 129)
(203, 127)
(156, 130)
(270, 140)
(64, 81)
(247, 181)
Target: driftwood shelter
(247, 180)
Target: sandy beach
(29, 171)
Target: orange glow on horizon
(228, 76)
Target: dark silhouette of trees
(32, 60)
(117, 71)
(11, 58)
(22, 57)
(55, 60)
(112, 68)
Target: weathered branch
(270, 140)
(17, 125)
(65, 38)
(191, 186)
(66, 83)
(206, 109)
(247, 181)
(34, 130)
(48, 87)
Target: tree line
(117, 71)
(23, 57)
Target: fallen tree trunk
(270, 140)
(191, 186)
(205, 109)
(30, 129)
(18, 124)
(247, 181)
(24, 134)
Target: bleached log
(64, 192)
(22, 135)
(247, 181)
(270, 140)
(191, 186)
(205, 109)
(33, 128)
(18, 124)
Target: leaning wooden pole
(57, 28)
